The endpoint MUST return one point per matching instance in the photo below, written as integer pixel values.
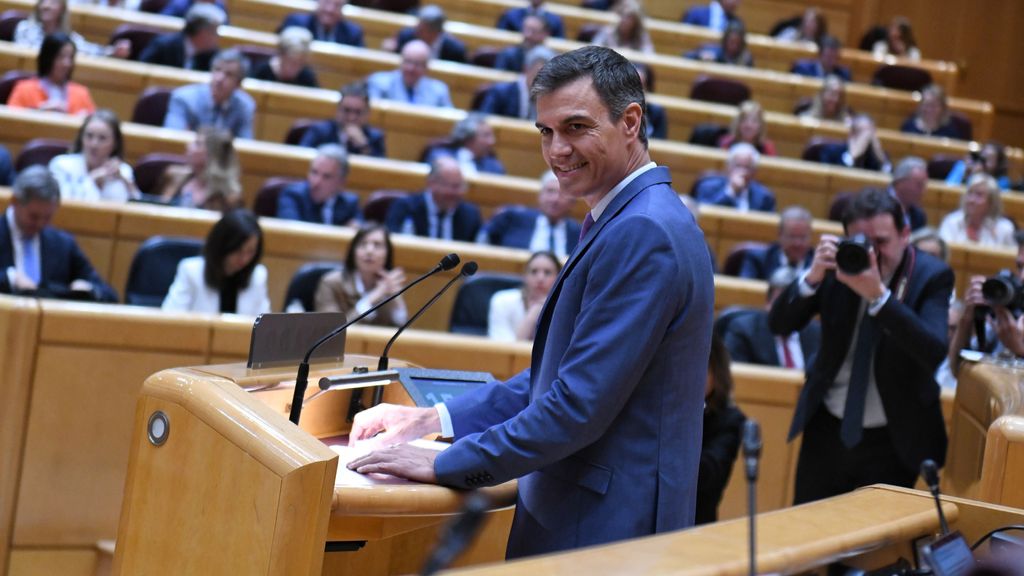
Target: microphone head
(751, 438)
(930, 472)
(468, 269)
(450, 261)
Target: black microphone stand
(751, 455)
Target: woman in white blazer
(228, 277)
(95, 169)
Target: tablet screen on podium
(282, 339)
(427, 387)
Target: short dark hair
(226, 236)
(108, 117)
(829, 41)
(355, 90)
(350, 258)
(871, 202)
(48, 51)
(721, 376)
(615, 80)
(1018, 237)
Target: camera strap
(903, 274)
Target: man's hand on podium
(402, 460)
(386, 424)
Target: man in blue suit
(535, 33)
(194, 47)
(321, 198)
(826, 63)
(547, 227)
(513, 98)
(327, 24)
(513, 18)
(792, 250)
(604, 430)
(38, 260)
(716, 15)
(440, 211)
(737, 188)
(349, 126)
(430, 29)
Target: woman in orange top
(52, 88)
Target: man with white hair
(513, 98)
(409, 83)
(737, 188)
(321, 198)
(545, 228)
(909, 182)
(792, 250)
(430, 29)
(221, 103)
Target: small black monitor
(427, 387)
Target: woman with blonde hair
(980, 218)
(629, 32)
(932, 117)
(291, 63)
(51, 16)
(830, 102)
(210, 179)
(748, 126)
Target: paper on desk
(347, 454)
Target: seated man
(327, 23)
(716, 15)
(349, 126)
(430, 29)
(410, 82)
(514, 18)
(535, 33)
(512, 99)
(194, 46)
(545, 228)
(749, 338)
(862, 148)
(441, 210)
(221, 103)
(909, 183)
(737, 188)
(655, 117)
(472, 145)
(827, 62)
(180, 8)
(792, 250)
(321, 199)
(37, 259)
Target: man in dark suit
(194, 47)
(327, 24)
(548, 227)
(441, 210)
(869, 410)
(535, 33)
(737, 187)
(909, 182)
(36, 259)
(349, 126)
(715, 15)
(792, 250)
(6, 167)
(603, 431)
(827, 62)
(512, 98)
(321, 198)
(513, 19)
(179, 8)
(430, 29)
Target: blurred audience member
(512, 99)
(899, 41)
(51, 17)
(748, 126)
(409, 83)
(195, 46)
(430, 29)
(547, 228)
(980, 218)
(220, 104)
(52, 89)
(368, 276)
(654, 115)
(327, 23)
(228, 276)
(830, 102)
(737, 188)
(6, 167)
(179, 8)
(862, 148)
(793, 249)
(441, 210)
(513, 313)
(630, 32)
(535, 33)
(291, 63)
(211, 177)
(932, 117)
(472, 145)
(827, 62)
(909, 183)
(349, 126)
(731, 50)
(513, 18)
(95, 169)
(991, 159)
(927, 240)
(716, 15)
(813, 28)
(321, 198)
(37, 259)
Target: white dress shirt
(18, 243)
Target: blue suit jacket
(326, 132)
(503, 99)
(6, 167)
(295, 203)
(344, 32)
(169, 50)
(465, 224)
(61, 263)
(488, 164)
(711, 190)
(451, 47)
(812, 68)
(514, 226)
(761, 264)
(604, 430)
(701, 16)
(180, 7)
(512, 19)
(511, 58)
(657, 122)
(388, 85)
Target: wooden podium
(220, 482)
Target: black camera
(1004, 289)
(852, 255)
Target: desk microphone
(458, 534)
(930, 473)
(751, 456)
(302, 376)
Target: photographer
(869, 410)
(1001, 319)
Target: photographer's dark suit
(909, 345)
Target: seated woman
(290, 65)
(812, 28)
(513, 313)
(723, 431)
(932, 115)
(731, 50)
(52, 88)
(748, 126)
(369, 276)
(95, 168)
(228, 276)
(980, 218)
(899, 41)
(51, 16)
(629, 32)
(210, 180)
(472, 145)
(991, 160)
(830, 102)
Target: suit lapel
(6, 247)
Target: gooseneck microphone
(468, 269)
(302, 376)
(930, 473)
(458, 534)
(751, 457)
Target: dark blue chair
(302, 287)
(473, 302)
(154, 266)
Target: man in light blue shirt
(220, 103)
(409, 83)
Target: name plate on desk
(427, 387)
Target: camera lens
(852, 255)
(997, 291)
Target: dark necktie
(856, 393)
(587, 223)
